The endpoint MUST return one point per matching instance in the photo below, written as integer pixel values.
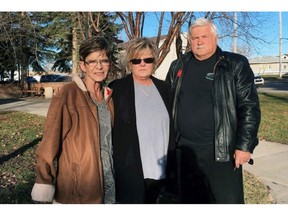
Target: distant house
(162, 71)
(269, 65)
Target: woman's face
(142, 70)
(96, 66)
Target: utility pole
(280, 44)
(235, 33)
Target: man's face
(203, 42)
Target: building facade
(269, 65)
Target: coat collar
(106, 90)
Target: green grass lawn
(274, 117)
(21, 132)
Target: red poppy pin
(179, 73)
(107, 93)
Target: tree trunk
(74, 53)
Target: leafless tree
(19, 43)
(249, 25)
(87, 24)
(133, 24)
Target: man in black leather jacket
(216, 115)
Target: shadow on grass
(20, 150)
(283, 99)
(19, 193)
(18, 190)
(8, 100)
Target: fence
(38, 89)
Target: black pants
(204, 181)
(152, 190)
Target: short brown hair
(93, 44)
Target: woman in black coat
(143, 142)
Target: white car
(258, 80)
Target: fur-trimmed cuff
(43, 192)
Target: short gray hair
(203, 22)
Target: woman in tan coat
(74, 158)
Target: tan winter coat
(71, 139)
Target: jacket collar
(106, 90)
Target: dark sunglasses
(146, 60)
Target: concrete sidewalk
(270, 159)
(271, 167)
(33, 105)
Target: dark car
(63, 79)
(49, 77)
(31, 80)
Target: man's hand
(241, 157)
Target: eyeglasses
(93, 63)
(138, 61)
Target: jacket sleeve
(170, 77)
(248, 108)
(43, 189)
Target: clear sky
(269, 8)
(268, 31)
(271, 34)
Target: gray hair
(203, 22)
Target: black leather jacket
(235, 100)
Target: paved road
(276, 86)
(270, 159)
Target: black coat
(236, 105)
(127, 161)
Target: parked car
(63, 79)
(31, 80)
(49, 77)
(258, 80)
(37, 77)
